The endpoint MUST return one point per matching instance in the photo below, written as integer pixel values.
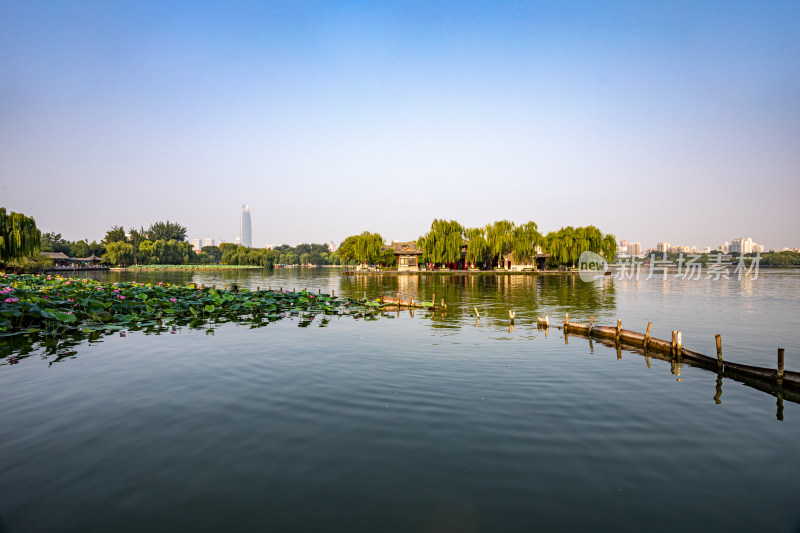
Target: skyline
(660, 122)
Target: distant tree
(442, 244)
(478, 251)
(227, 246)
(526, 239)
(52, 242)
(115, 234)
(119, 253)
(213, 252)
(136, 236)
(347, 249)
(500, 236)
(166, 231)
(19, 236)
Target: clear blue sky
(675, 121)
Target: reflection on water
(493, 294)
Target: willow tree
(500, 236)
(442, 244)
(567, 244)
(477, 245)
(526, 239)
(368, 247)
(19, 236)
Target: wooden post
(546, 321)
(258, 289)
(333, 293)
(443, 306)
(433, 300)
(647, 335)
(679, 343)
(591, 321)
(719, 350)
(320, 291)
(511, 315)
(619, 329)
(780, 364)
(566, 320)
(674, 342)
(477, 314)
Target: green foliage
(19, 236)
(500, 236)
(213, 252)
(442, 244)
(567, 244)
(526, 239)
(366, 248)
(478, 250)
(166, 231)
(240, 255)
(40, 309)
(119, 253)
(115, 234)
(786, 259)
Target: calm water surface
(423, 423)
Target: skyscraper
(245, 233)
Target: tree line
(486, 246)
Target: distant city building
(662, 246)
(634, 248)
(196, 243)
(745, 245)
(331, 246)
(245, 233)
(724, 247)
(706, 250)
(208, 241)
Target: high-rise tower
(245, 233)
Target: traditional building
(407, 255)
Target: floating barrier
(676, 350)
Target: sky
(655, 121)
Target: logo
(592, 266)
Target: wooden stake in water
(780, 364)
(619, 329)
(511, 315)
(719, 350)
(591, 321)
(647, 335)
(679, 343)
(674, 341)
(566, 320)
(477, 314)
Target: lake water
(415, 423)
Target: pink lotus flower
(67, 282)
(11, 300)
(120, 297)
(172, 300)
